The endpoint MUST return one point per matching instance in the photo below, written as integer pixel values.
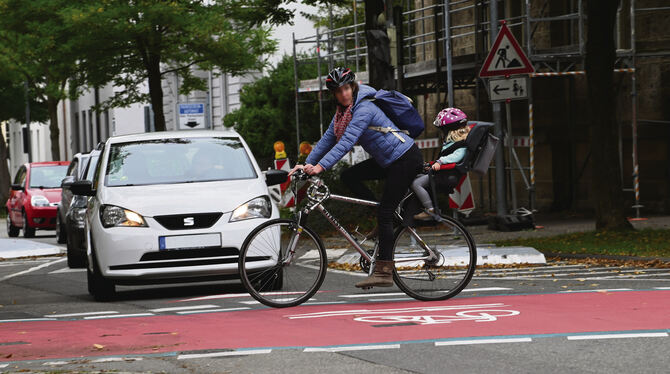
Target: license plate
(189, 241)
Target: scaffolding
(436, 54)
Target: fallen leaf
(98, 346)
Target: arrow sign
(497, 89)
(505, 57)
(514, 88)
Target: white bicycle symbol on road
(466, 315)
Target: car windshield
(177, 160)
(47, 176)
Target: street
(522, 319)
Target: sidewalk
(20, 247)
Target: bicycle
(283, 262)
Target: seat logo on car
(189, 221)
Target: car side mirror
(67, 181)
(83, 188)
(274, 176)
(17, 187)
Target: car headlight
(259, 207)
(114, 216)
(39, 201)
(78, 215)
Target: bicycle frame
(318, 193)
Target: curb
(582, 256)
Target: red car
(34, 197)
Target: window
(177, 160)
(72, 169)
(47, 176)
(20, 177)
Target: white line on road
(38, 267)
(382, 294)
(121, 316)
(55, 363)
(352, 348)
(176, 308)
(222, 354)
(68, 270)
(601, 290)
(117, 359)
(324, 302)
(483, 341)
(662, 288)
(619, 336)
(3, 365)
(80, 314)
(214, 310)
(27, 320)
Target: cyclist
(394, 156)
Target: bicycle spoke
(444, 276)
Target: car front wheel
(61, 235)
(28, 232)
(99, 287)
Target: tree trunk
(4, 173)
(607, 188)
(156, 93)
(54, 131)
(379, 49)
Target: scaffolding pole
(447, 53)
(297, 87)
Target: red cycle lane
(331, 325)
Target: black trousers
(399, 176)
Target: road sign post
(503, 67)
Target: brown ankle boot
(382, 276)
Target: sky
(301, 27)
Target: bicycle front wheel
(446, 275)
(282, 265)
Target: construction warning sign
(506, 57)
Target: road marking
(427, 308)
(483, 341)
(352, 348)
(382, 294)
(55, 363)
(244, 295)
(324, 302)
(117, 359)
(391, 299)
(222, 354)
(619, 336)
(121, 316)
(27, 320)
(174, 309)
(213, 310)
(80, 314)
(67, 270)
(3, 365)
(38, 267)
(662, 288)
(600, 290)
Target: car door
(16, 197)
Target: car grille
(181, 254)
(188, 221)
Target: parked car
(171, 207)
(74, 173)
(34, 197)
(74, 212)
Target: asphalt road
(557, 318)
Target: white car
(172, 206)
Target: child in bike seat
(453, 123)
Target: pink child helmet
(450, 119)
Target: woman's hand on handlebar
(295, 168)
(313, 169)
(436, 166)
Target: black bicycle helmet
(338, 77)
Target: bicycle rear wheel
(448, 274)
(281, 265)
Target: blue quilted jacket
(383, 147)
